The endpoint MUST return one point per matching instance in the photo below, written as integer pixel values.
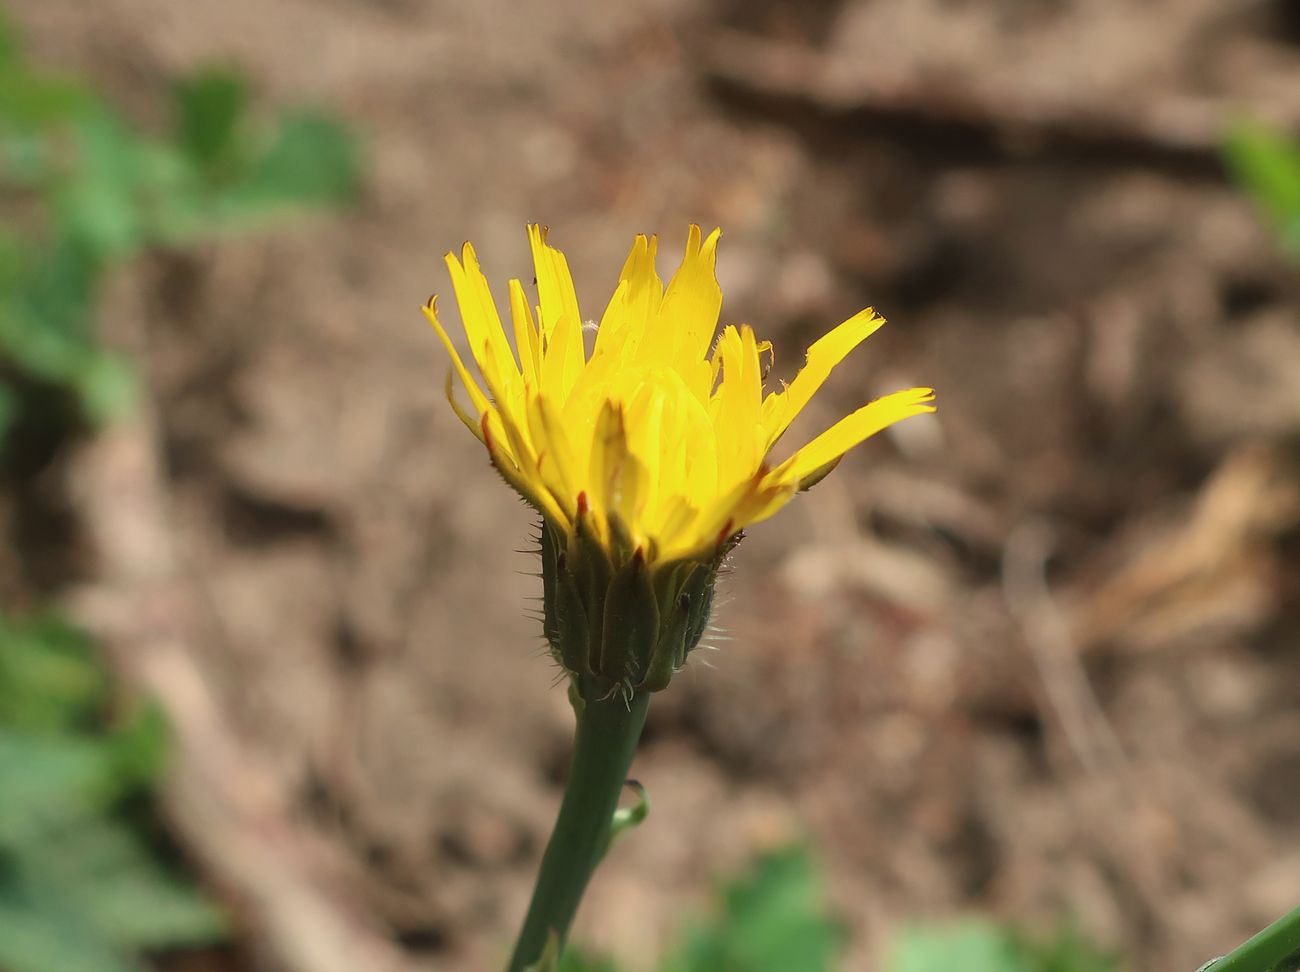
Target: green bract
(625, 626)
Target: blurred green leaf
(576, 960)
(139, 748)
(45, 305)
(772, 920)
(86, 191)
(24, 157)
(47, 781)
(102, 872)
(99, 204)
(8, 40)
(105, 383)
(1266, 163)
(983, 946)
(78, 874)
(209, 107)
(29, 102)
(1068, 951)
(52, 298)
(972, 946)
(48, 676)
(312, 160)
(82, 190)
(36, 938)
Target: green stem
(1268, 950)
(604, 741)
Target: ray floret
(665, 430)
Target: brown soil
(1035, 656)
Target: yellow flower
(657, 442)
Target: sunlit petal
(657, 444)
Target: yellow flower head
(656, 444)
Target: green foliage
(1266, 164)
(81, 887)
(981, 946)
(769, 920)
(578, 961)
(773, 920)
(84, 191)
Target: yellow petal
(719, 519)
(699, 377)
(612, 335)
(554, 282)
(676, 519)
(555, 454)
(762, 503)
(645, 416)
(849, 431)
(478, 312)
(556, 296)
(689, 314)
(635, 304)
(527, 341)
(518, 476)
(506, 432)
(562, 360)
(450, 389)
(476, 395)
(700, 447)
(617, 478)
(737, 402)
(510, 426)
(780, 409)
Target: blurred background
(1033, 659)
